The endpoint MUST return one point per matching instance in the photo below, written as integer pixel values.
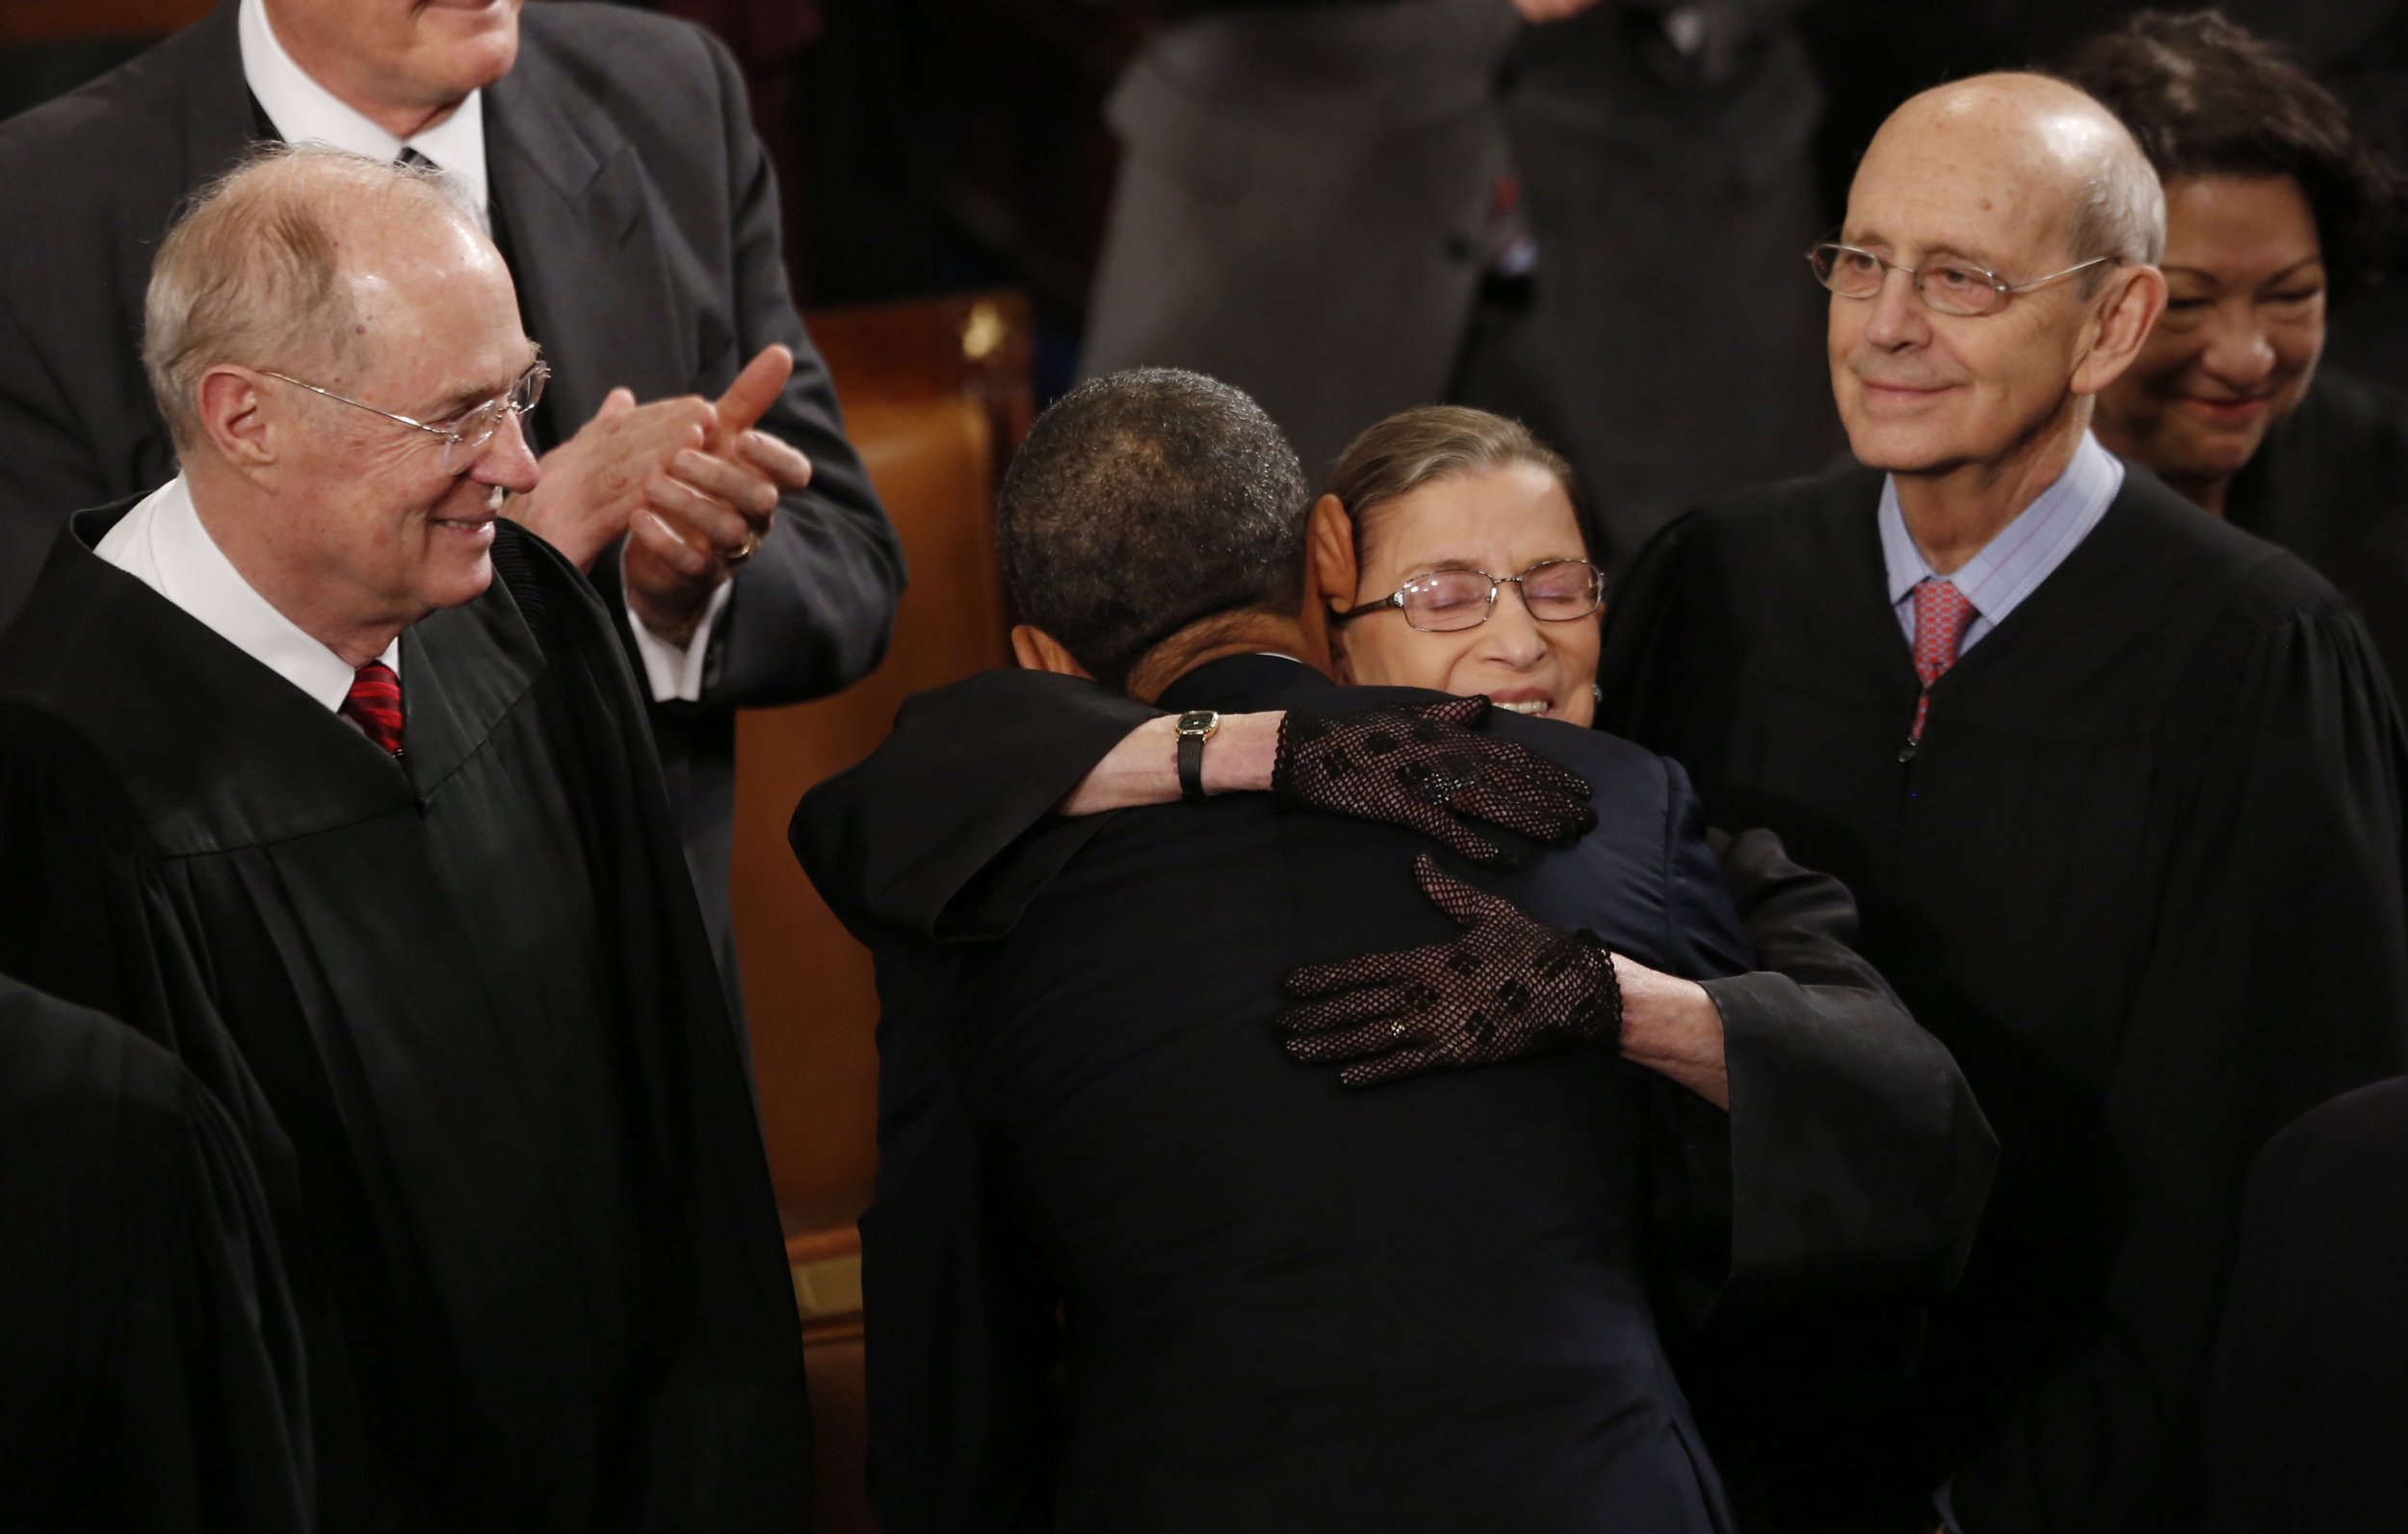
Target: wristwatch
(1194, 727)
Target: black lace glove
(1509, 986)
(1428, 768)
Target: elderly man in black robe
(2118, 787)
(318, 772)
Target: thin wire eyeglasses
(1447, 601)
(1953, 287)
(471, 432)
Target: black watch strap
(1195, 727)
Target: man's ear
(2120, 329)
(1039, 651)
(1329, 574)
(231, 418)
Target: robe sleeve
(1860, 1162)
(154, 1376)
(2277, 978)
(896, 842)
(2310, 1403)
(964, 1427)
(86, 915)
(725, 1423)
(1853, 1161)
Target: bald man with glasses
(2117, 785)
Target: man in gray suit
(1589, 216)
(611, 155)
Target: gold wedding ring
(745, 550)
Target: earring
(1597, 691)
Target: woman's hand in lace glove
(1428, 768)
(1505, 987)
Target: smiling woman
(2276, 206)
(1449, 554)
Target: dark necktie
(374, 705)
(413, 159)
(1941, 616)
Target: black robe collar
(2119, 568)
(215, 749)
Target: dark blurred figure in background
(150, 1359)
(2275, 206)
(2311, 1402)
(1586, 216)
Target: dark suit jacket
(1282, 1305)
(1301, 210)
(642, 223)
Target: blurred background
(929, 146)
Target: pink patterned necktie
(1940, 615)
(374, 705)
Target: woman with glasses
(1449, 553)
(2276, 207)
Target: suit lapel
(213, 98)
(569, 193)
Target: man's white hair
(251, 273)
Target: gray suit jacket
(1301, 210)
(642, 221)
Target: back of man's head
(1144, 503)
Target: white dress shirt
(304, 112)
(162, 543)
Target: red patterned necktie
(374, 705)
(1940, 615)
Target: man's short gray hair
(251, 273)
(2121, 212)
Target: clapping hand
(688, 484)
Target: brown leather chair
(936, 395)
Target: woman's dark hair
(1418, 446)
(2206, 97)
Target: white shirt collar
(303, 110)
(162, 543)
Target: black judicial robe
(2310, 1407)
(2143, 877)
(2330, 484)
(150, 1361)
(462, 1006)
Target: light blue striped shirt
(2026, 552)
